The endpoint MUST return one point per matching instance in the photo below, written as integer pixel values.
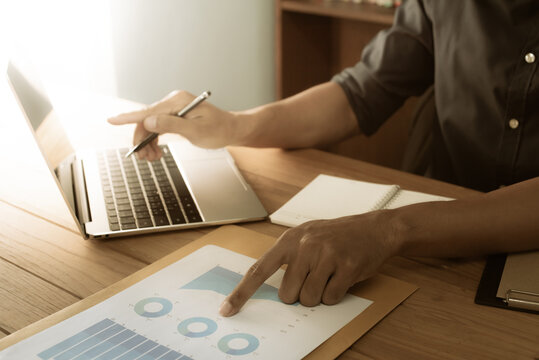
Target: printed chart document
(175, 312)
(330, 197)
(169, 311)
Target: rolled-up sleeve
(396, 64)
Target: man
(480, 56)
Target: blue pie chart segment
(209, 327)
(252, 344)
(166, 307)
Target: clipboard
(515, 298)
(385, 292)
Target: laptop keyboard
(143, 194)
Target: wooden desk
(45, 265)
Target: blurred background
(142, 49)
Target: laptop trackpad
(219, 190)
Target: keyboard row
(138, 193)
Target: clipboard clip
(522, 299)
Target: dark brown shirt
(482, 56)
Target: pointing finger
(255, 277)
(130, 117)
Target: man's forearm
(505, 220)
(317, 116)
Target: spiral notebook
(329, 197)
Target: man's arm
(317, 116)
(325, 258)
(320, 115)
(505, 220)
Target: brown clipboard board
(385, 292)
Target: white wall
(225, 46)
(68, 41)
(143, 49)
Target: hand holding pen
(181, 113)
(203, 126)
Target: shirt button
(513, 123)
(530, 58)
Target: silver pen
(182, 112)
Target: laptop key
(137, 196)
(144, 223)
(114, 227)
(173, 206)
(128, 226)
(177, 217)
(125, 213)
(194, 217)
(122, 201)
(169, 197)
(135, 188)
(158, 212)
(121, 195)
(168, 194)
(156, 204)
(161, 220)
(142, 214)
(126, 220)
(123, 207)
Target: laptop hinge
(64, 173)
(81, 195)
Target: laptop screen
(47, 129)
(49, 133)
(31, 95)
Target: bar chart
(223, 281)
(107, 340)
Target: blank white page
(329, 197)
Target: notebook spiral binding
(384, 202)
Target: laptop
(110, 195)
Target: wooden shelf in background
(340, 9)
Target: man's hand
(205, 126)
(325, 258)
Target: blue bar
(139, 350)
(106, 345)
(172, 355)
(155, 353)
(91, 342)
(75, 339)
(122, 348)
